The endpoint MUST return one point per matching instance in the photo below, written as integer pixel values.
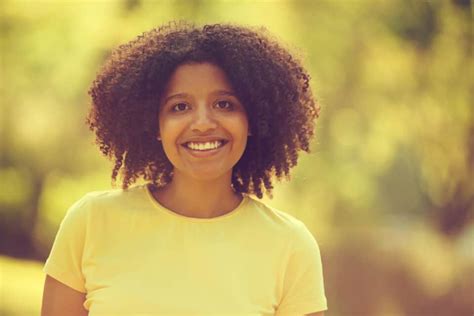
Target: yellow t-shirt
(132, 256)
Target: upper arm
(59, 299)
(303, 283)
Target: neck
(198, 198)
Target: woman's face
(202, 125)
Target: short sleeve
(303, 285)
(65, 259)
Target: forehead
(197, 76)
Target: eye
(224, 105)
(179, 107)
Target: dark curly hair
(272, 85)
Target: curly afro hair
(272, 85)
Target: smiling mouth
(205, 146)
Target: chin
(208, 175)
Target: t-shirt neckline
(178, 216)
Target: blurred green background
(387, 191)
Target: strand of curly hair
(269, 81)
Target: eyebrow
(182, 95)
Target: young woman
(207, 116)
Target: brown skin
(201, 186)
(59, 300)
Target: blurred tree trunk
(18, 231)
(458, 213)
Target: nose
(203, 119)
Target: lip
(207, 153)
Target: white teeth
(204, 146)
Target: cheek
(244, 127)
(168, 128)
(169, 139)
(239, 124)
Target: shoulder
(100, 201)
(298, 235)
(275, 216)
(112, 196)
